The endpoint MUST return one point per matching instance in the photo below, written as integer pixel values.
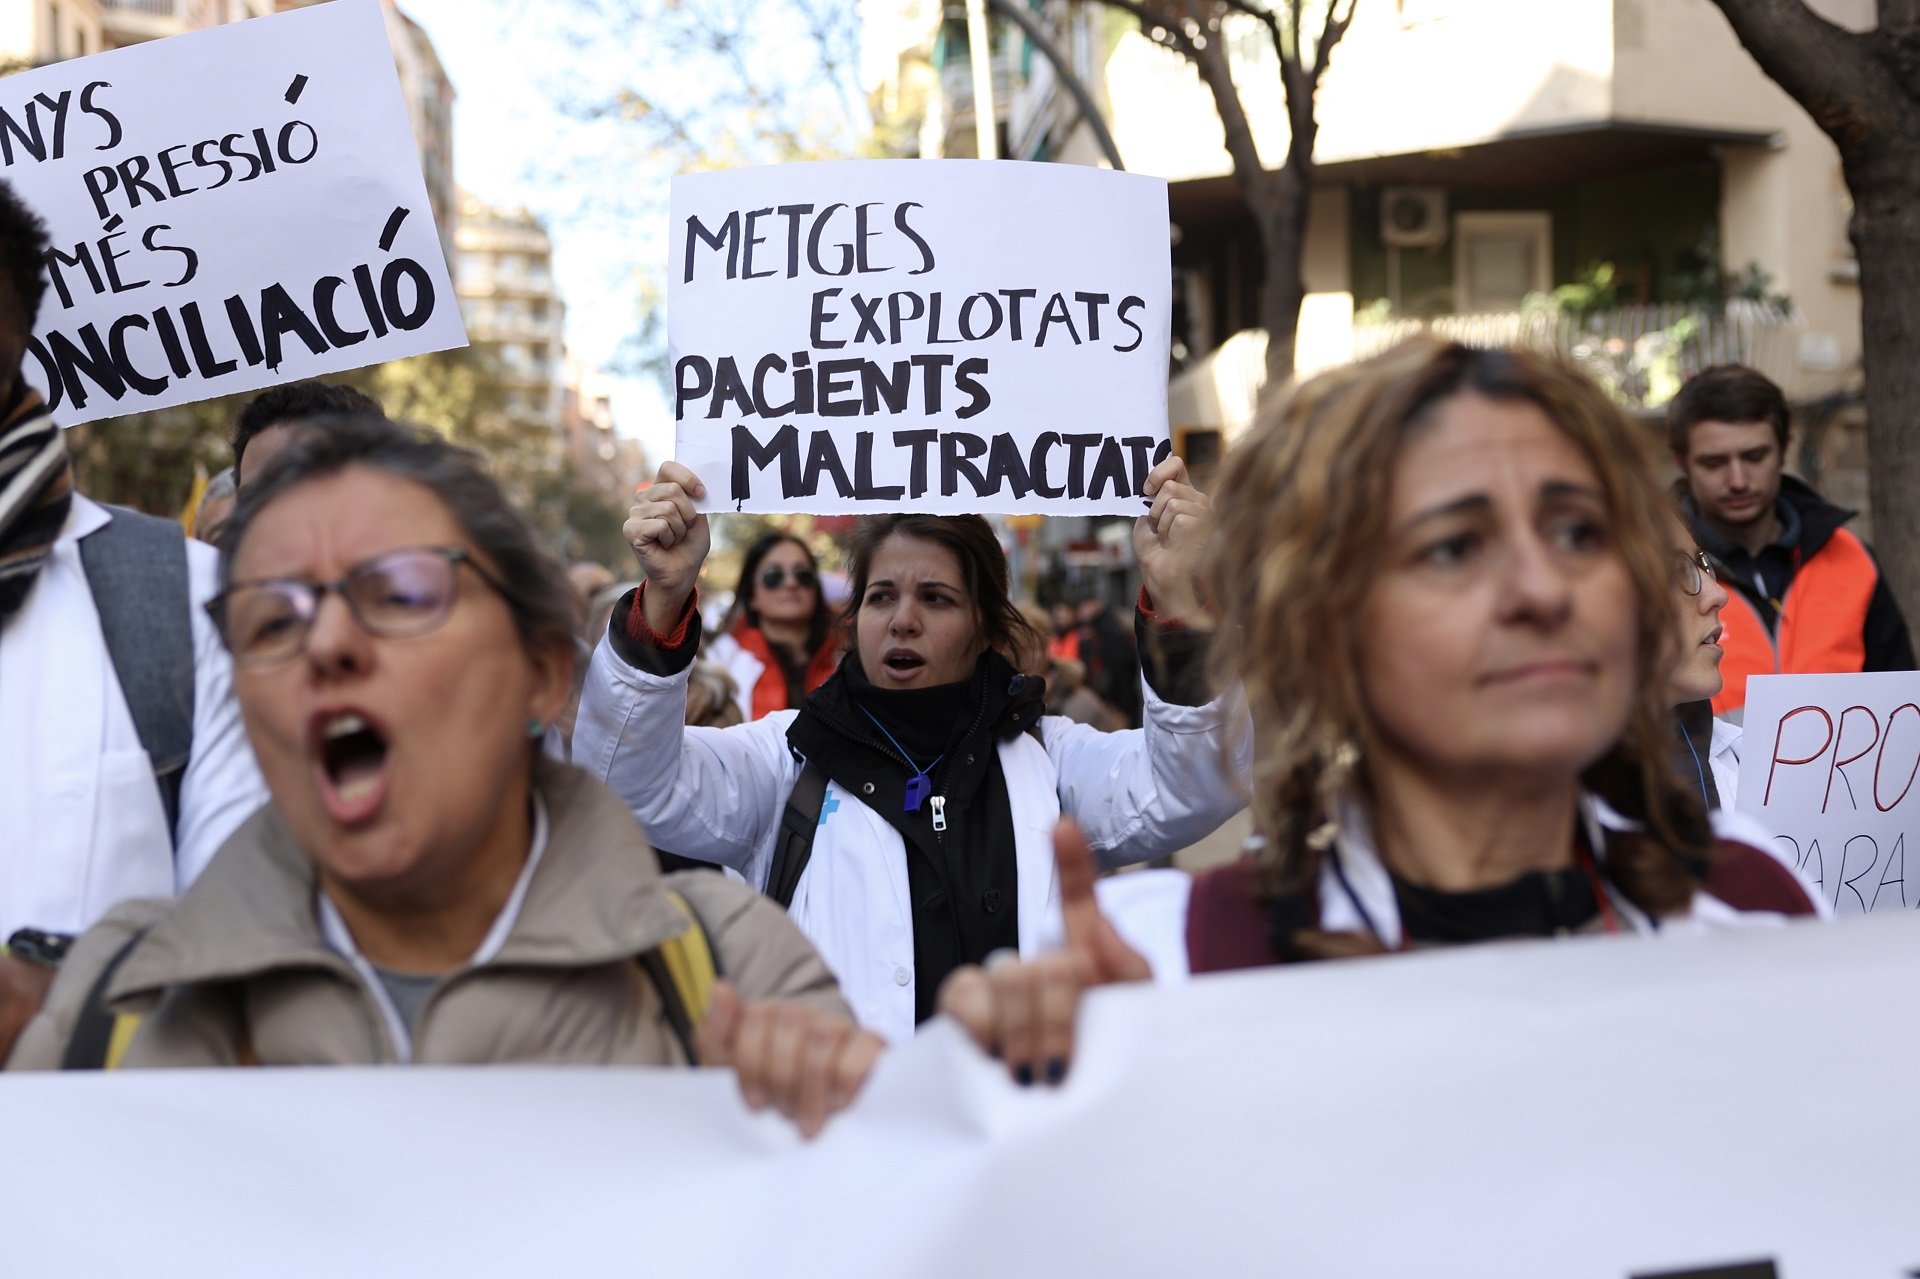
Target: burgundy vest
(1227, 919)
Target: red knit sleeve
(640, 633)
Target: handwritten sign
(1829, 763)
(1680, 1105)
(229, 209)
(943, 336)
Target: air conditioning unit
(1413, 217)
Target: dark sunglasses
(401, 593)
(776, 577)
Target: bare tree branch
(1152, 20)
(1809, 56)
(1210, 57)
(1330, 34)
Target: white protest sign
(1828, 763)
(229, 209)
(1589, 1109)
(944, 336)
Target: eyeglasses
(1696, 570)
(775, 577)
(401, 593)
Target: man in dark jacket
(1808, 595)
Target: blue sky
(513, 146)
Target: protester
(1063, 635)
(777, 642)
(216, 504)
(1808, 595)
(902, 812)
(426, 885)
(588, 579)
(1444, 582)
(1709, 747)
(1109, 658)
(1067, 692)
(122, 760)
(271, 420)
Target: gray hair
(535, 585)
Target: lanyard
(1700, 771)
(918, 785)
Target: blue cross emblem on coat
(828, 805)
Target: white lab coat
(82, 827)
(719, 793)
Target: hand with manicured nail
(1023, 1011)
(805, 1062)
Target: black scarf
(962, 882)
(36, 492)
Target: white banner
(229, 209)
(1828, 763)
(943, 336)
(1591, 1109)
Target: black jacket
(1807, 522)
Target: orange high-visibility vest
(1823, 622)
(769, 693)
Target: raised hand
(1169, 538)
(671, 540)
(805, 1062)
(1024, 1011)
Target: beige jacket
(241, 957)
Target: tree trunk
(1283, 232)
(1886, 239)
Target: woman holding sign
(426, 885)
(1446, 584)
(902, 814)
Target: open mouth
(903, 663)
(1713, 637)
(353, 762)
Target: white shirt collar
(84, 518)
(334, 928)
(1357, 891)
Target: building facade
(429, 96)
(514, 314)
(603, 463)
(1474, 157)
(34, 32)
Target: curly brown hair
(1301, 528)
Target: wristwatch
(37, 947)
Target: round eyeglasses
(404, 592)
(1696, 570)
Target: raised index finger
(1073, 862)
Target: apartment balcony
(1639, 354)
(126, 22)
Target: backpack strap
(136, 567)
(798, 824)
(684, 969)
(100, 1038)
